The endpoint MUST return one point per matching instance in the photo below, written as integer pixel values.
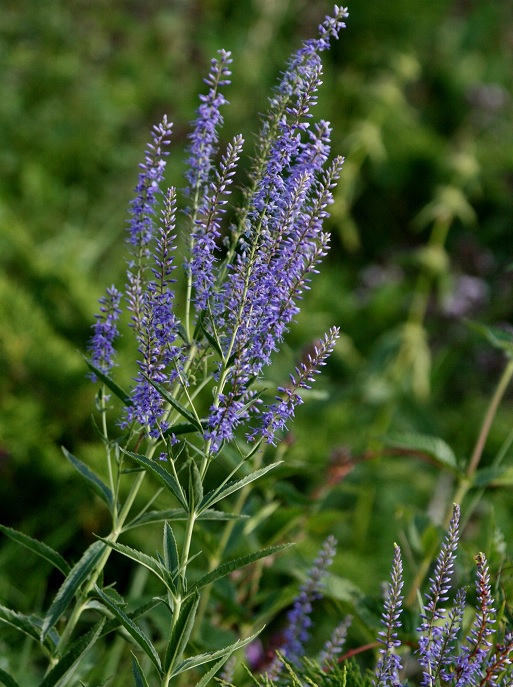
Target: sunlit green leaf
(434, 448)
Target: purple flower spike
(276, 417)
(105, 332)
(299, 617)
(204, 138)
(389, 665)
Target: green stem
(465, 482)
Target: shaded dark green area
(421, 105)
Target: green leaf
(170, 549)
(140, 680)
(7, 680)
(163, 476)
(70, 659)
(77, 575)
(138, 612)
(176, 405)
(181, 631)
(213, 341)
(144, 560)
(434, 448)
(30, 625)
(38, 548)
(200, 659)
(195, 485)
(498, 338)
(179, 514)
(236, 564)
(94, 482)
(185, 428)
(109, 383)
(134, 631)
(225, 490)
(494, 476)
(205, 680)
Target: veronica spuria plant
(194, 394)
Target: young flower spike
(299, 617)
(389, 664)
(105, 332)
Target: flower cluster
(243, 281)
(448, 655)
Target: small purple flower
(335, 644)
(105, 332)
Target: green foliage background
(419, 96)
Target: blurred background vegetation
(420, 99)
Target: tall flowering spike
(143, 207)
(276, 417)
(431, 635)
(299, 617)
(473, 658)
(389, 664)
(335, 644)
(105, 332)
(207, 232)
(156, 328)
(204, 139)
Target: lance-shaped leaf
(93, 481)
(140, 680)
(225, 490)
(181, 631)
(170, 549)
(109, 383)
(138, 612)
(434, 448)
(200, 659)
(133, 630)
(195, 486)
(179, 514)
(147, 561)
(235, 564)
(38, 547)
(7, 680)
(71, 658)
(499, 338)
(163, 476)
(175, 404)
(30, 625)
(77, 575)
